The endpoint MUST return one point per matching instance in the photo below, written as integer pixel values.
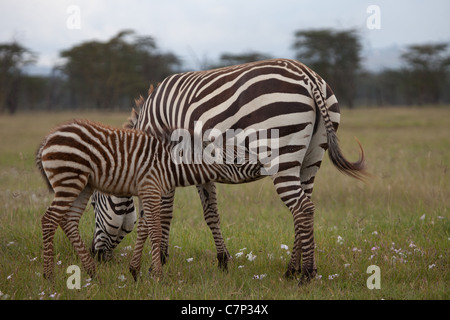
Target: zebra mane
(139, 103)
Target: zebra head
(114, 218)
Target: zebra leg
(142, 234)
(149, 223)
(49, 223)
(54, 214)
(70, 227)
(288, 186)
(208, 197)
(166, 218)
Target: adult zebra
(277, 94)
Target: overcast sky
(199, 30)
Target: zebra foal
(81, 156)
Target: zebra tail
(40, 167)
(356, 169)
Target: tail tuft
(356, 169)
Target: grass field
(398, 222)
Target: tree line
(110, 74)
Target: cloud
(202, 29)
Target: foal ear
(151, 89)
(132, 120)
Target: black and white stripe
(81, 156)
(279, 94)
(116, 219)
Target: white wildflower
(239, 254)
(422, 217)
(431, 266)
(340, 240)
(332, 276)
(190, 259)
(285, 247)
(375, 233)
(122, 277)
(259, 276)
(250, 256)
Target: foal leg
(166, 218)
(70, 227)
(208, 197)
(142, 234)
(54, 214)
(149, 223)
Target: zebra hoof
(291, 273)
(49, 276)
(164, 257)
(134, 272)
(307, 276)
(222, 259)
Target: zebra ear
(132, 120)
(150, 90)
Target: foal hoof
(307, 275)
(155, 274)
(134, 272)
(222, 259)
(164, 257)
(291, 273)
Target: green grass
(399, 222)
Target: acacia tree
(107, 73)
(426, 67)
(333, 54)
(13, 57)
